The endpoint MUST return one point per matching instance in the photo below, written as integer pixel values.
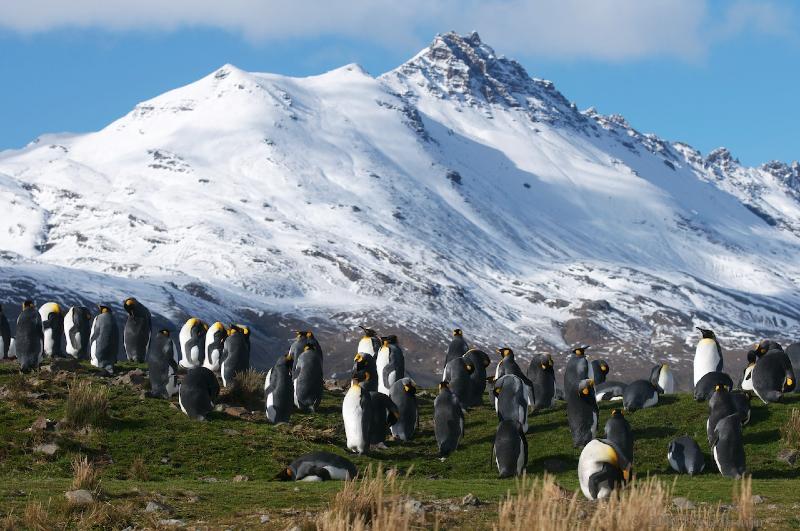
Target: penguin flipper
(607, 476)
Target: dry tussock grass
(743, 500)
(790, 432)
(37, 517)
(87, 405)
(139, 470)
(84, 474)
(247, 390)
(539, 504)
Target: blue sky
(706, 72)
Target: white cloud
(602, 29)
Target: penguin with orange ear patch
(357, 414)
(773, 375)
(279, 390)
(104, 340)
(403, 394)
(582, 412)
(53, 329)
(457, 374)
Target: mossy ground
(191, 465)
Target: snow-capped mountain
(453, 191)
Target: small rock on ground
(155, 507)
(79, 497)
(414, 506)
(470, 499)
(43, 424)
(264, 518)
(788, 456)
(239, 478)
(172, 522)
(756, 499)
(683, 503)
(46, 449)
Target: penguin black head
(164, 332)
(707, 334)
(444, 385)
(104, 309)
(616, 413)
(410, 388)
(470, 367)
(368, 332)
(457, 332)
(720, 388)
(359, 377)
(27, 304)
(308, 347)
(288, 356)
(580, 351)
(285, 475)
(129, 304)
(299, 333)
(358, 358)
(788, 384)
(604, 367)
(505, 352)
(310, 335)
(585, 386)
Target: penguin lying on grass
(685, 457)
(318, 466)
(602, 468)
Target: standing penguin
(215, 345)
(685, 457)
(602, 467)
(793, 351)
(279, 390)
(747, 375)
(457, 374)
(639, 395)
(29, 341)
(720, 405)
(457, 347)
(366, 362)
(235, 353)
(543, 378)
(5, 335)
(104, 340)
(707, 356)
(390, 363)
(618, 430)
(78, 330)
(403, 394)
(198, 391)
(357, 414)
(308, 380)
(480, 362)
(598, 370)
(661, 376)
(192, 339)
(706, 385)
(509, 365)
(511, 400)
(161, 365)
(369, 343)
(448, 421)
(577, 369)
(136, 336)
(301, 340)
(582, 413)
(53, 329)
(727, 446)
(773, 376)
(510, 449)
(384, 416)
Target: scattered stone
(63, 364)
(772, 506)
(555, 465)
(79, 497)
(789, 456)
(264, 518)
(156, 507)
(683, 503)
(240, 478)
(414, 506)
(172, 522)
(219, 408)
(209, 480)
(164, 460)
(43, 424)
(46, 449)
(228, 431)
(173, 405)
(134, 378)
(236, 411)
(756, 499)
(470, 499)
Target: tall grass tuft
(743, 500)
(84, 474)
(139, 470)
(87, 405)
(247, 390)
(790, 432)
(539, 504)
(37, 517)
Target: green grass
(178, 453)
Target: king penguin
(136, 336)
(162, 366)
(508, 365)
(618, 430)
(793, 351)
(53, 329)
(215, 344)
(369, 343)
(511, 400)
(308, 380)
(510, 449)
(198, 391)
(384, 416)
(235, 354)
(685, 457)
(29, 341)
(192, 339)
(5, 335)
(598, 370)
(727, 446)
(640, 394)
(457, 374)
(582, 413)
(773, 376)
(279, 390)
(720, 405)
(543, 378)
(301, 340)
(707, 356)
(78, 330)
(390, 363)
(610, 390)
(448, 421)
(457, 347)
(706, 385)
(602, 467)
(366, 362)
(661, 376)
(741, 400)
(480, 362)
(747, 375)
(104, 340)
(318, 466)
(577, 369)
(357, 414)
(403, 394)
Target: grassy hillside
(149, 450)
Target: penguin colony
(381, 399)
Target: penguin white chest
(380, 363)
(666, 381)
(706, 358)
(353, 416)
(365, 346)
